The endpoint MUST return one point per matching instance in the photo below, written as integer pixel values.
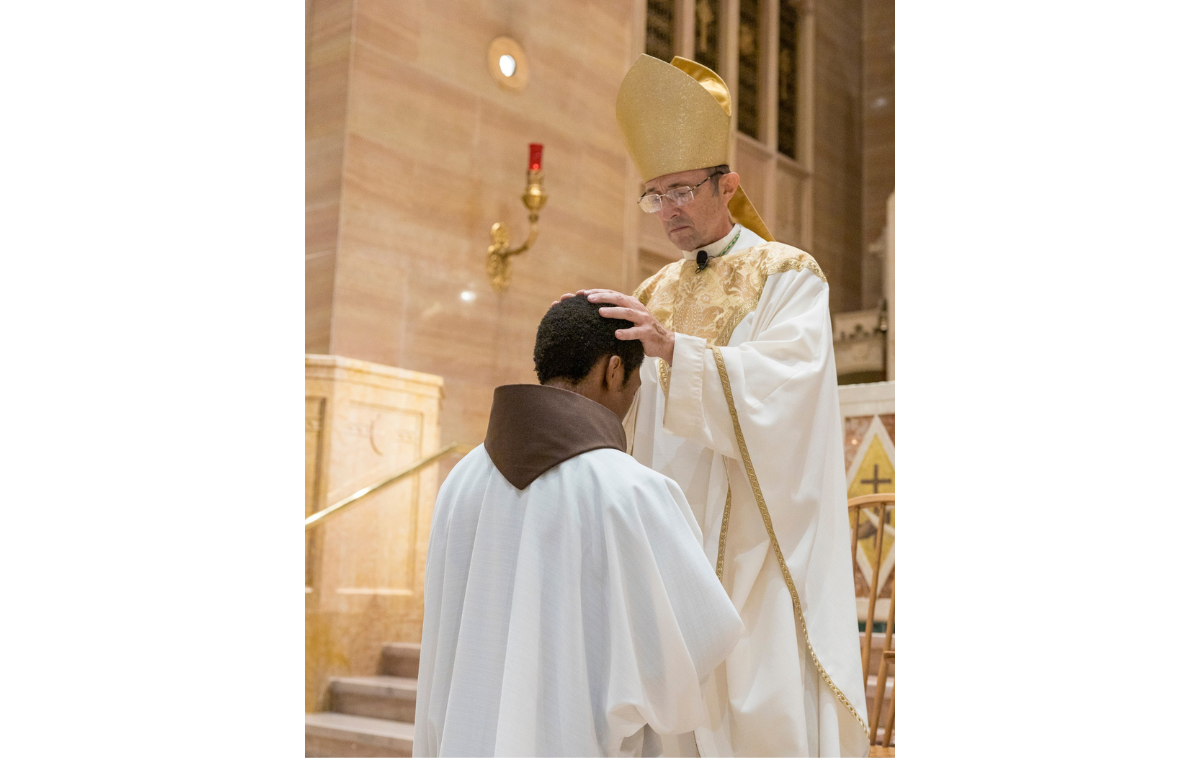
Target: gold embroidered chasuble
(710, 303)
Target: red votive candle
(535, 156)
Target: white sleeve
(672, 622)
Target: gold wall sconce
(498, 267)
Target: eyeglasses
(681, 196)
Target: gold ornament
(498, 268)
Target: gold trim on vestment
(724, 529)
(775, 267)
(766, 517)
(664, 378)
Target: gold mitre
(675, 117)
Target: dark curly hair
(573, 336)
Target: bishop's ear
(729, 184)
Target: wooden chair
(878, 507)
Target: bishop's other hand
(656, 340)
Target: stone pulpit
(365, 564)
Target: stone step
(339, 734)
(401, 659)
(381, 697)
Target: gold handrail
(317, 517)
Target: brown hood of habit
(534, 428)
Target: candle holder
(499, 252)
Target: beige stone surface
(837, 166)
(365, 566)
(879, 116)
(431, 152)
(326, 80)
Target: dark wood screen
(748, 57)
(660, 29)
(708, 32)
(789, 76)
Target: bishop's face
(706, 218)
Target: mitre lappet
(676, 117)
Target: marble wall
(837, 160)
(326, 79)
(431, 152)
(879, 138)
(854, 134)
(879, 113)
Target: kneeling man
(569, 606)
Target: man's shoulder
(608, 459)
(619, 474)
(472, 467)
(770, 258)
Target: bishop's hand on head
(657, 341)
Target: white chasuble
(569, 606)
(753, 330)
